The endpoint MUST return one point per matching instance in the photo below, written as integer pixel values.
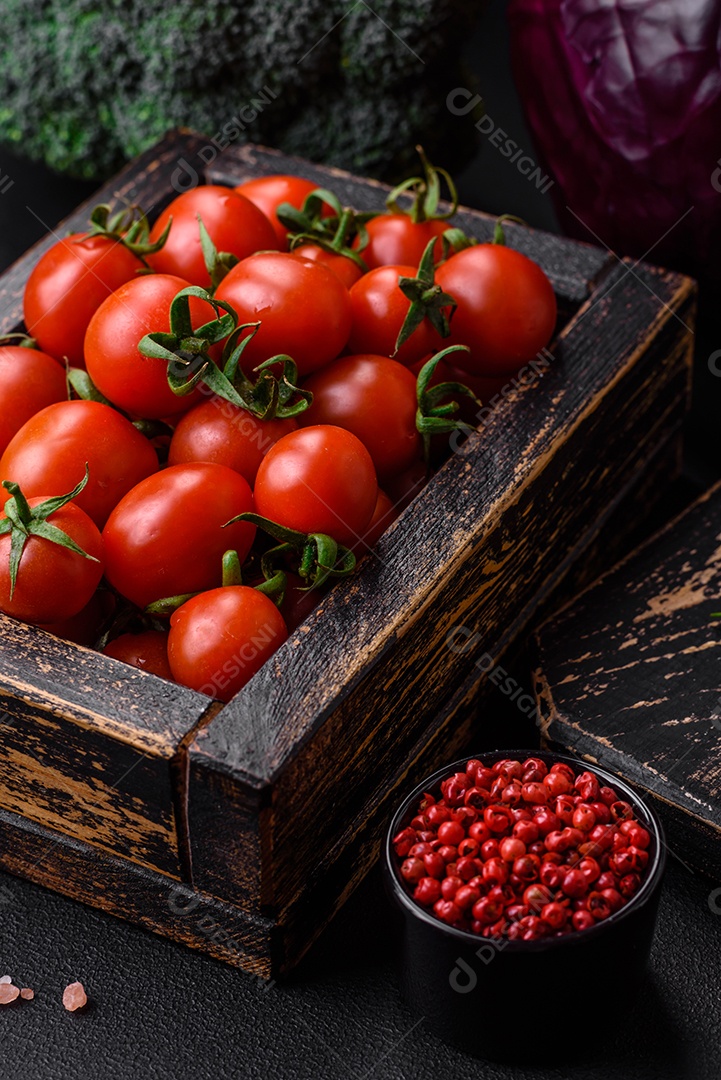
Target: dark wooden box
(259, 818)
(629, 676)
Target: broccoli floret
(84, 86)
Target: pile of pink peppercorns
(521, 850)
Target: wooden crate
(272, 807)
(629, 676)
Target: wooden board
(89, 745)
(129, 891)
(275, 804)
(629, 675)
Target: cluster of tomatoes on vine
(240, 399)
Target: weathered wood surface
(124, 889)
(341, 705)
(87, 745)
(629, 675)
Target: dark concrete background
(160, 1011)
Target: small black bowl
(525, 1000)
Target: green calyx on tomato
(332, 233)
(270, 397)
(427, 300)
(186, 352)
(273, 587)
(129, 227)
(426, 193)
(23, 521)
(217, 263)
(436, 415)
(455, 240)
(315, 557)
(22, 341)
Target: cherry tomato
(343, 267)
(216, 430)
(218, 640)
(304, 309)
(68, 285)
(379, 310)
(50, 451)
(29, 380)
(375, 398)
(394, 238)
(130, 380)
(234, 224)
(166, 537)
(318, 480)
(268, 192)
(147, 651)
(506, 308)
(53, 583)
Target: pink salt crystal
(27, 994)
(8, 993)
(74, 997)
(4, 979)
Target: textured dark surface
(629, 674)
(161, 1012)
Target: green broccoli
(85, 85)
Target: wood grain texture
(130, 892)
(366, 677)
(629, 675)
(87, 745)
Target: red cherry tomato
(394, 238)
(343, 267)
(166, 537)
(218, 640)
(304, 309)
(506, 308)
(375, 398)
(53, 583)
(68, 285)
(233, 222)
(318, 480)
(147, 651)
(130, 380)
(29, 380)
(50, 451)
(379, 311)
(268, 192)
(216, 430)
